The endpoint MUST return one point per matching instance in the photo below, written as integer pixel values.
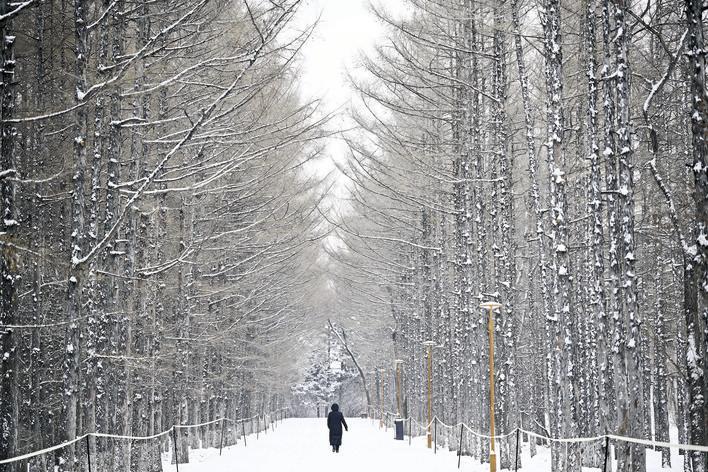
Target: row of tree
(156, 229)
(549, 155)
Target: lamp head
(429, 343)
(398, 361)
(490, 305)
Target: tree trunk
(9, 262)
(697, 312)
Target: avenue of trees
(551, 156)
(169, 250)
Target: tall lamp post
(429, 345)
(490, 307)
(398, 363)
(374, 374)
(382, 372)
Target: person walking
(335, 420)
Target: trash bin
(398, 423)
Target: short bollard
(398, 429)
(243, 431)
(516, 459)
(435, 434)
(607, 453)
(410, 431)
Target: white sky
(346, 29)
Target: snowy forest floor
(301, 445)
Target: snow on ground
(301, 445)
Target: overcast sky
(346, 29)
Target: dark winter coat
(335, 420)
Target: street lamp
(398, 363)
(490, 307)
(374, 373)
(382, 372)
(429, 345)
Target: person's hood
(335, 407)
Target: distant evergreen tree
(323, 382)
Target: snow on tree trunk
(561, 322)
(697, 312)
(630, 394)
(661, 395)
(9, 270)
(597, 275)
(72, 360)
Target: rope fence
(106, 452)
(102, 451)
(461, 438)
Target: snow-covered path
(301, 445)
